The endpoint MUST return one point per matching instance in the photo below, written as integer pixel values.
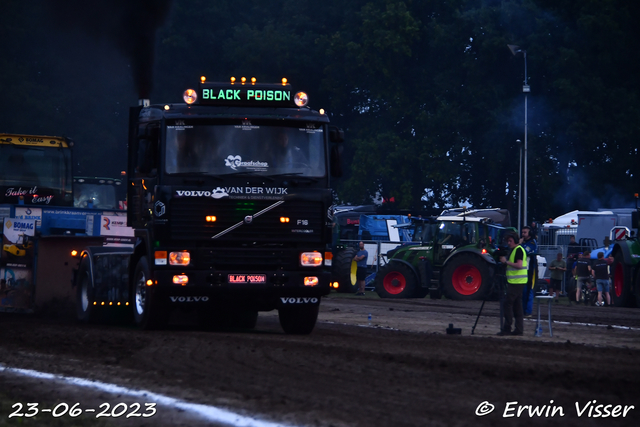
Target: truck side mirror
(145, 159)
(336, 161)
(336, 134)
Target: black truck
(228, 197)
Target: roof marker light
(253, 80)
(243, 80)
(233, 80)
(301, 99)
(284, 81)
(190, 96)
(203, 79)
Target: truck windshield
(86, 195)
(43, 168)
(245, 148)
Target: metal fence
(550, 252)
(378, 249)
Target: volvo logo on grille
(248, 219)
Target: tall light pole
(515, 50)
(520, 186)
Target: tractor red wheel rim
(394, 282)
(618, 280)
(466, 280)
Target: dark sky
(73, 68)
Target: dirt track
(403, 370)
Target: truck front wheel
(298, 320)
(621, 292)
(466, 277)
(148, 312)
(396, 280)
(86, 311)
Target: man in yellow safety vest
(516, 280)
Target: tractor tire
(148, 311)
(298, 320)
(621, 294)
(396, 280)
(344, 271)
(86, 311)
(466, 277)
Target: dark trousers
(513, 308)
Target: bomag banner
(16, 265)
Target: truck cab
(228, 195)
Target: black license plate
(247, 278)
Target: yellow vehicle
(35, 170)
(18, 248)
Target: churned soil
(398, 368)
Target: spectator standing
(530, 245)
(573, 246)
(516, 273)
(582, 271)
(558, 267)
(361, 272)
(601, 274)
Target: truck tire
(148, 312)
(621, 294)
(85, 295)
(344, 271)
(396, 280)
(298, 320)
(466, 277)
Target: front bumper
(205, 287)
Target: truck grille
(248, 259)
(188, 220)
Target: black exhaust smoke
(130, 25)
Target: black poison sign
(247, 278)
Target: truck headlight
(311, 281)
(311, 259)
(179, 258)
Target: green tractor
(452, 255)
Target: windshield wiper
(296, 174)
(186, 175)
(268, 177)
